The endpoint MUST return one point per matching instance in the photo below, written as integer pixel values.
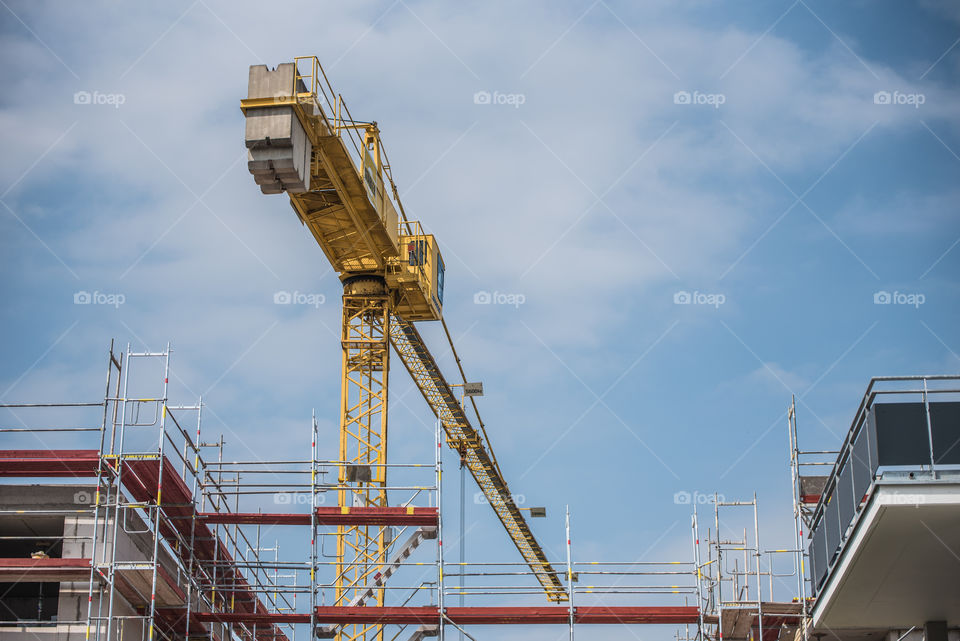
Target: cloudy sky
(683, 213)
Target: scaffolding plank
(44, 570)
(737, 622)
(169, 594)
(49, 463)
(252, 518)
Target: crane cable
(446, 330)
(473, 401)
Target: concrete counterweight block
(278, 150)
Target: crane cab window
(440, 270)
(417, 253)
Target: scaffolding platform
(41, 570)
(743, 622)
(49, 463)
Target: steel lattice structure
(363, 441)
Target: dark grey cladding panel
(846, 502)
(945, 420)
(818, 558)
(862, 470)
(831, 523)
(902, 433)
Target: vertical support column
(365, 370)
(439, 463)
(569, 573)
(756, 540)
(716, 525)
(797, 512)
(462, 544)
(220, 505)
(313, 527)
(696, 559)
(157, 510)
(93, 583)
(196, 492)
(115, 525)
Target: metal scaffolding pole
(439, 462)
(569, 573)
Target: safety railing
(313, 87)
(897, 427)
(589, 577)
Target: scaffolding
(732, 568)
(177, 568)
(209, 529)
(175, 541)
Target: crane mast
(302, 140)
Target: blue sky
(601, 200)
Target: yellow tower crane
(302, 140)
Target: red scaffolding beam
(345, 615)
(582, 614)
(399, 516)
(40, 570)
(49, 463)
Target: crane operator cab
(417, 275)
